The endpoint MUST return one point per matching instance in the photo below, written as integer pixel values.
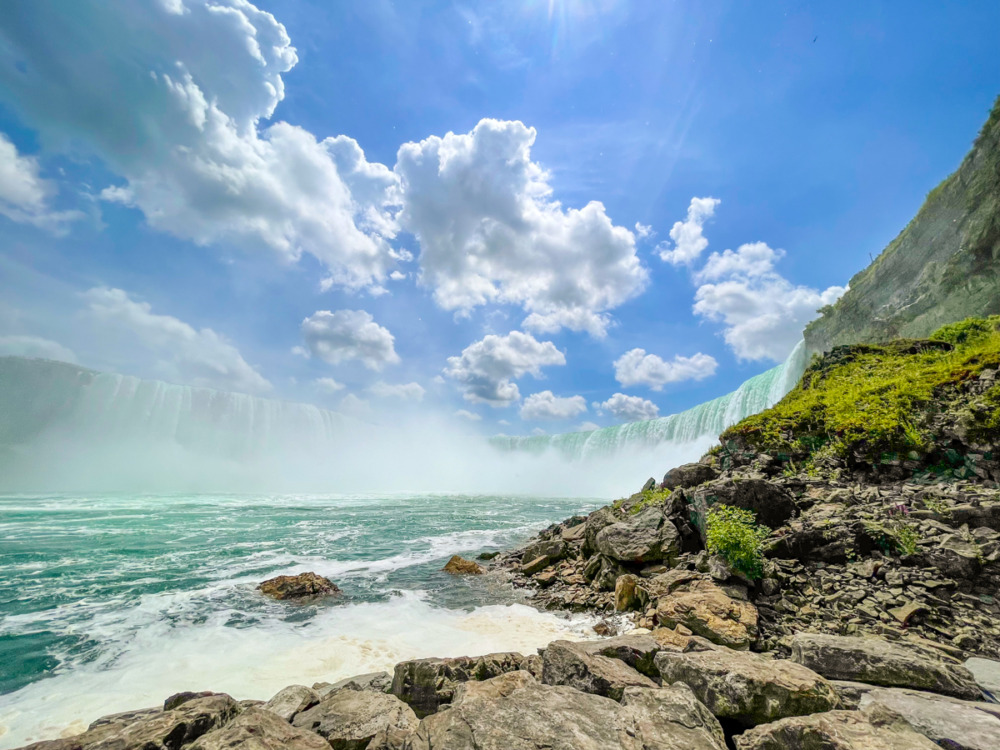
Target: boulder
(646, 537)
(772, 504)
(380, 682)
(351, 719)
(951, 723)
(955, 557)
(553, 549)
(688, 475)
(459, 566)
(571, 664)
(629, 595)
(603, 572)
(833, 730)
(986, 673)
(879, 662)
(259, 729)
(637, 650)
(747, 688)
(514, 712)
(703, 607)
(152, 730)
(301, 586)
(292, 700)
(427, 684)
(851, 693)
(595, 523)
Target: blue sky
(538, 214)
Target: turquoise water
(111, 602)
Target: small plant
(894, 535)
(649, 499)
(734, 534)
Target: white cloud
(688, 241)
(644, 231)
(466, 414)
(546, 405)
(338, 336)
(762, 311)
(183, 354)
(486, 368)
(25, 194)
(752, 259)
(35, 346)
(403, 391)
(489, 231)
(635, 367)
(329, 385)
(628, 408)
(174, 104)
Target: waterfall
(700, 423)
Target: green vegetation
(876, 401)
(647, 499)
(893, 536)
(734, 534)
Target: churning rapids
(132, 576)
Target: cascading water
(695, 425)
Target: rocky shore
(826, 579)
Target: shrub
(734, 534)
(969, 330)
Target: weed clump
(734, 534)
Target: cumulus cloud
(343, 335)
(489, 231)
(763, 313)
(466, 414)
(183, 354)
(402, 391)
(636, 367)
(25, 194)
(175, 103)
(35, 346)
(329, 385)
(687, 237)
(486, 368)
(628, 408)
(546, 405)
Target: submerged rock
(301, 586)
(460, 566)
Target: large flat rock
(576, 666)
(833, 730)
(949, 722)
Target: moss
(649, 499)
(876, 402)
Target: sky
(528, 215)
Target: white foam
(256, 662)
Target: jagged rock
(574, 533)
(850, 693)
(301, 586)
(603, 572)
(706, 610)
(566, 663)
(380, 682)
(259, 729)
(427, 684)
(597, 522)
(879, 662)
(459, 566)
(156, 730)
(647, 537)
(636, 650)
(486, 556)
(951, 723)
(629, 595)
(351, 719)
(986, 673)
(536, 565)
(292, 700)
(514, 712)
(747, 688)
(955, 557)
(772, 504)
(688, 475)
(553, 549)
(833, 730)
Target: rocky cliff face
(943, 267)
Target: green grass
(876, 400)
(734, 534)
(648, 499)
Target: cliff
(943, 267)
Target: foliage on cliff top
(872, 400)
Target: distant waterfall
(704, 421)
(41, 396)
